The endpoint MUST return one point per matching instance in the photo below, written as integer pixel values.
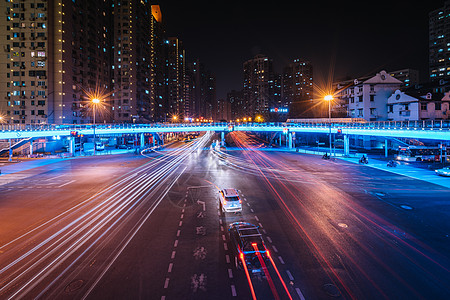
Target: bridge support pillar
(142, 140)
(346, 145)
(222, 139)
(154, 139)
(385, 147)
(10, 151)
(31, 147)
(291, 135)
(71, 146)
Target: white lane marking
(275, 248)
(233, 291)
(66, 183)
(289, 275)
(269, 239)
(251, 209)
(166, 283)
(220, 221)
(176, 244)
(256, 218)
(182, 216)
(225, 246)
(173, 254)
(169, 270)
(54, 178)
(223, 237)
(221, 228)
(182, 211)
(163, 297)
(248, 204)
(227, 258)
(299, 293)
(281, 260)
(181, 223)
(230, 273)
(178, 232)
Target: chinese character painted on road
(200, 230)
(198, 282)
(200, 253)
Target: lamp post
(94, 101)
(329, 98)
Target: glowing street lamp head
(95, 100)
(328, 97)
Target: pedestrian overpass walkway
(433, 130)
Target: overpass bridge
(430, 130)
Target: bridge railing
(388, 125)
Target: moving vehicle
(418, 153)
(248, 246)
(229, 201)
(391, 164)
(364, 160)
(443, 172)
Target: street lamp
(94, 101)
(329, 98)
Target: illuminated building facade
(297, 88)
(52, 49)
(259, 85)
(132, 82)
(439, 43)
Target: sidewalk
(14, 167)
(405, 170)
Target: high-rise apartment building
(52, 50)
(158, 45)
(201, 91)
(133, 96)
(297, 88)
(175, 72)
(439, 43)
(237, 104)
(259, 86)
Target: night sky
(349, 38)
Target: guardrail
(439, 130)
(442, 124)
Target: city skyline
(343, 38)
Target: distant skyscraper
(51, 51)
(133, 98)
(259, 86)
(201, 91)
(409, 77)
(297, 88)
(158, 61)
(439, 43)
(175, 78)
(237, 104)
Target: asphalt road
(133, 227)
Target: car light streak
(250, 284)
(266, 272)
(323, 261)
(376, 225)
(84, 230)
(278, 273)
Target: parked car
(99, 146)
(229, 201)
(443, 172)
(247, 244)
